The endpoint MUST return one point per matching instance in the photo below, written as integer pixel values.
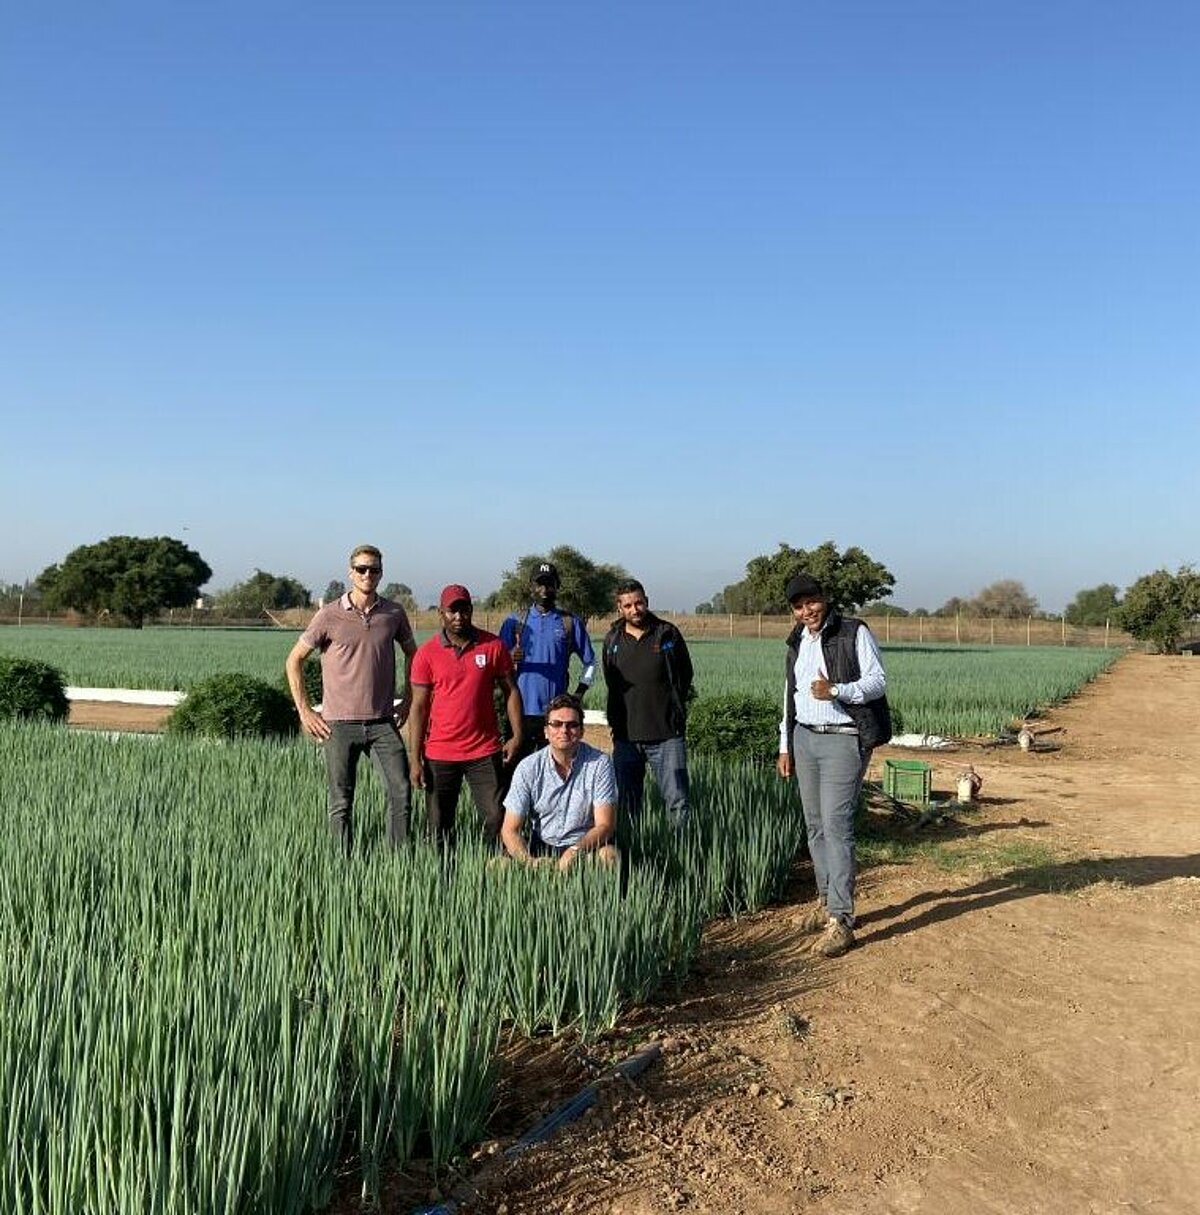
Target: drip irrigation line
(552, 1123)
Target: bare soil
(1014, 1031)
(111, 715)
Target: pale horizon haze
(670, 283)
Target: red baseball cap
(454, 593)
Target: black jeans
(443, 783)
(347, 742)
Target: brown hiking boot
(835, 940)
(814, 919)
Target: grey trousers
(346, 744)
(829, 772)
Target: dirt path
(1016, 1037)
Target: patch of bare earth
(111, 715)
(1011, 1035)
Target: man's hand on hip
(314, 725)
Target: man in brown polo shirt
(356, 636)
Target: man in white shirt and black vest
(834, 714)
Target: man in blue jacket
(541, 640)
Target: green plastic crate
(908, 780)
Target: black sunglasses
(367, 569)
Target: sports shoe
(835, 940)
(814, 919)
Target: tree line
(133, 578)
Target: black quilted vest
(838, 644)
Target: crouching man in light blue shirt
(568, 793)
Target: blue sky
(668, 282)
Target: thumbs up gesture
(821, 688)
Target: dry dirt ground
(1016, 1030)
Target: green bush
(735, 726)
(234, 706)
(313, 684)
(32, 689)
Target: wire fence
(916, 630)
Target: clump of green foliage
(314, 685)
(734, 726)
(32, 689)
(235, 706)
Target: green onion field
(205, 1009)
(933, 689)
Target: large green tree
(262, 591)
(129, 576)
(1160, 607)
(850, 578)
(1093, 606)
(587, 587)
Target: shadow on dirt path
(1022, 883)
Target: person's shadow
(1020, 883)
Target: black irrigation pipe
(563, 1116)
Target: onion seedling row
(204, 1008)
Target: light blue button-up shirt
(562, 807)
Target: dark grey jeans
(829, 772)
(347, 743)
(668, 761)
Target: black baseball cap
(804, 586)
(545, 572)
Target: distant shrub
(734, 726)
(234, 706)
(32, 689)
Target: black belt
(828, 729)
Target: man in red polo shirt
(453, 732)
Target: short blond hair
(369, 549)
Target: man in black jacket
(834, 714)
(648, 673)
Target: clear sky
(667, 282)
